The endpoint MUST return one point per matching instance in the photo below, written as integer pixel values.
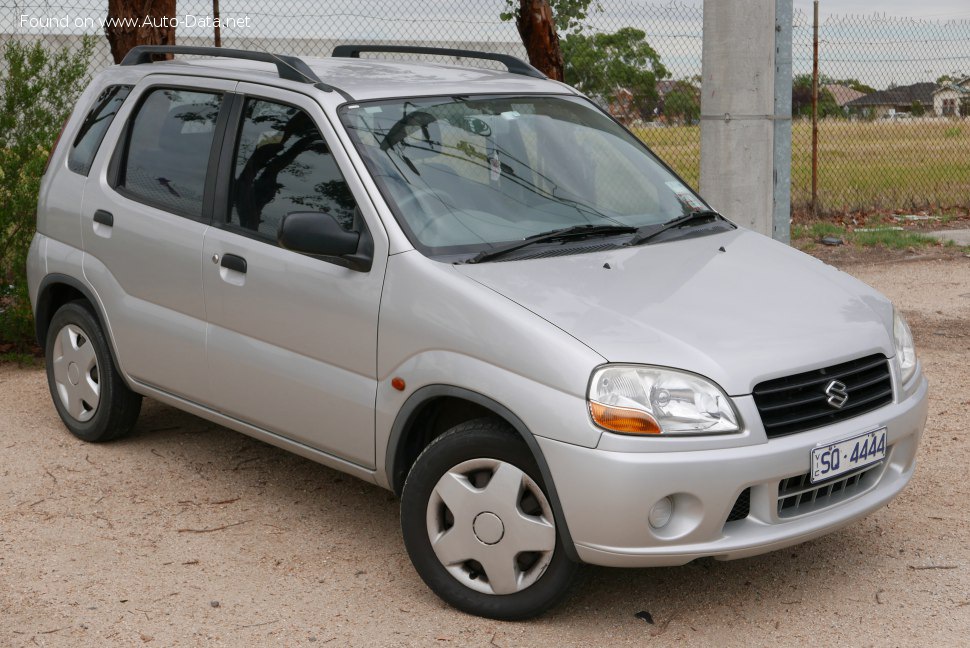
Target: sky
(929, 9)
(931, 38)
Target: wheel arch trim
(42, 311)
(412, 406)
(43, 314)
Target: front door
(291, 340)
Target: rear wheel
(89, 394)
(478, 525)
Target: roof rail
(513, 64)
(290, 68)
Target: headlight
(905, 349)
(649, 400)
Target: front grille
(796, 403)
(742, 506)
(798, 495)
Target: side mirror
(319, 234)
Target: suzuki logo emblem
(838, 394)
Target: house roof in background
(843, 94)
(955, 87)
(898, 96)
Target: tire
(88, 391)
(458, 527)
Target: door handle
(234, 262)
(104, 218)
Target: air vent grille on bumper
(801, 402)
(742, 506)
(797, 495)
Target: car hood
(736, 307)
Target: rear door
(146, 208)
(291, 340)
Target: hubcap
(76, 375)
(488, 528)
(491, 526)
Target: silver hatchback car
(471, 287)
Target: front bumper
(606, 495)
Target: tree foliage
(568, 14)
(856, 85)
(606, 65)
(683, 103)
(801, 97)
(38, 89)
(539, 23)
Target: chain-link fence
(894, 99)
(893, 113)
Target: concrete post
(746, 112)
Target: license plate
(851, 454)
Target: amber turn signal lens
(398, 383)
(623, 420)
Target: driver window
(284, 165)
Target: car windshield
(466, 174)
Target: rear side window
(89, 136)
(168, 150)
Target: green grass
(817, 230)
(678, 146)
(806, 235)
(862, 165)
(21, 360)
(892, 239)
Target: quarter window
(283, 165)
(89, 136)
(168, 150)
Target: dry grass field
(862, 165)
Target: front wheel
(478, 526)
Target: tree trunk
(538, 31)
(139, 22)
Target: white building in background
(947, 98)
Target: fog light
(660, 513)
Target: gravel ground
(189, 534)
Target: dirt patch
(188, 534)
(939, 331)
(918, 220)
(878, 237)
(847, 256)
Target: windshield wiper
(648, 232)
(573, 232)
